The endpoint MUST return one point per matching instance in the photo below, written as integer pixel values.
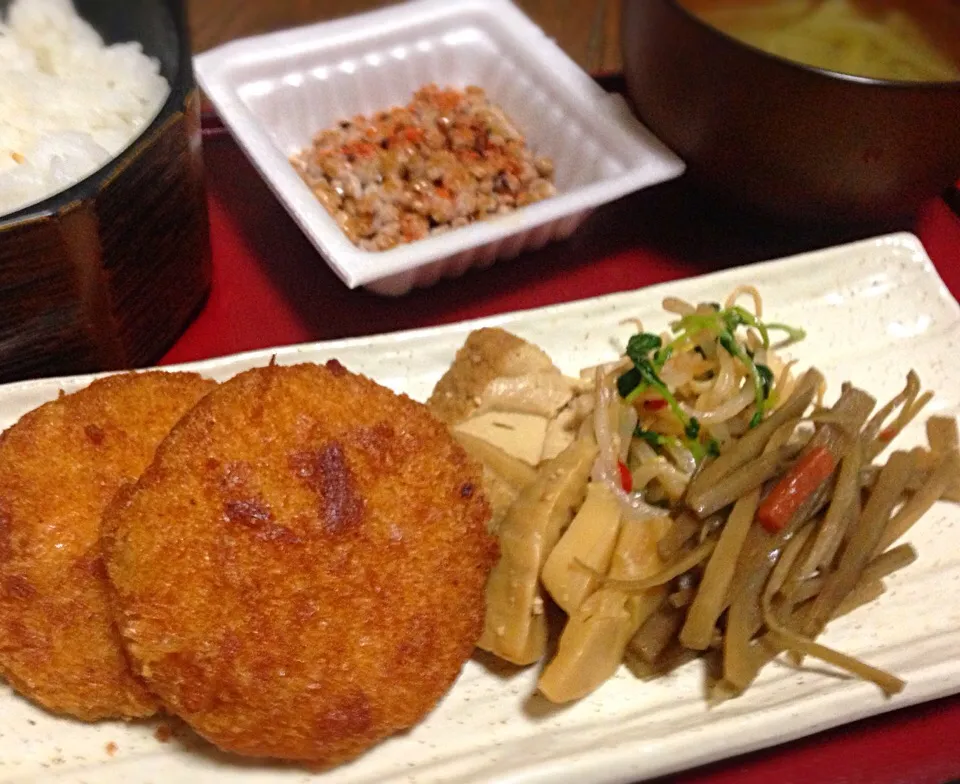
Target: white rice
(68, 104)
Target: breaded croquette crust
(60, 465)
(300, 573)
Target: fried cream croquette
(60, 465)
(300, 573)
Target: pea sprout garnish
(648, 354)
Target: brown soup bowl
(791, 141)
(107, 274)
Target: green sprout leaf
(766, 379)
(639, 346)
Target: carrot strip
(799, 483)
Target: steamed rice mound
(68, 103)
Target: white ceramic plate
(872, 310)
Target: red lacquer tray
(271, 288)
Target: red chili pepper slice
(626, 478)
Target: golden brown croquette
(300, 573)
(60, 465)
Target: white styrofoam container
(274, 92)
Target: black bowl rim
(89, 186)
(813, 70)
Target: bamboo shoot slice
(589, 540)
(515, 627)
(595, 638)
